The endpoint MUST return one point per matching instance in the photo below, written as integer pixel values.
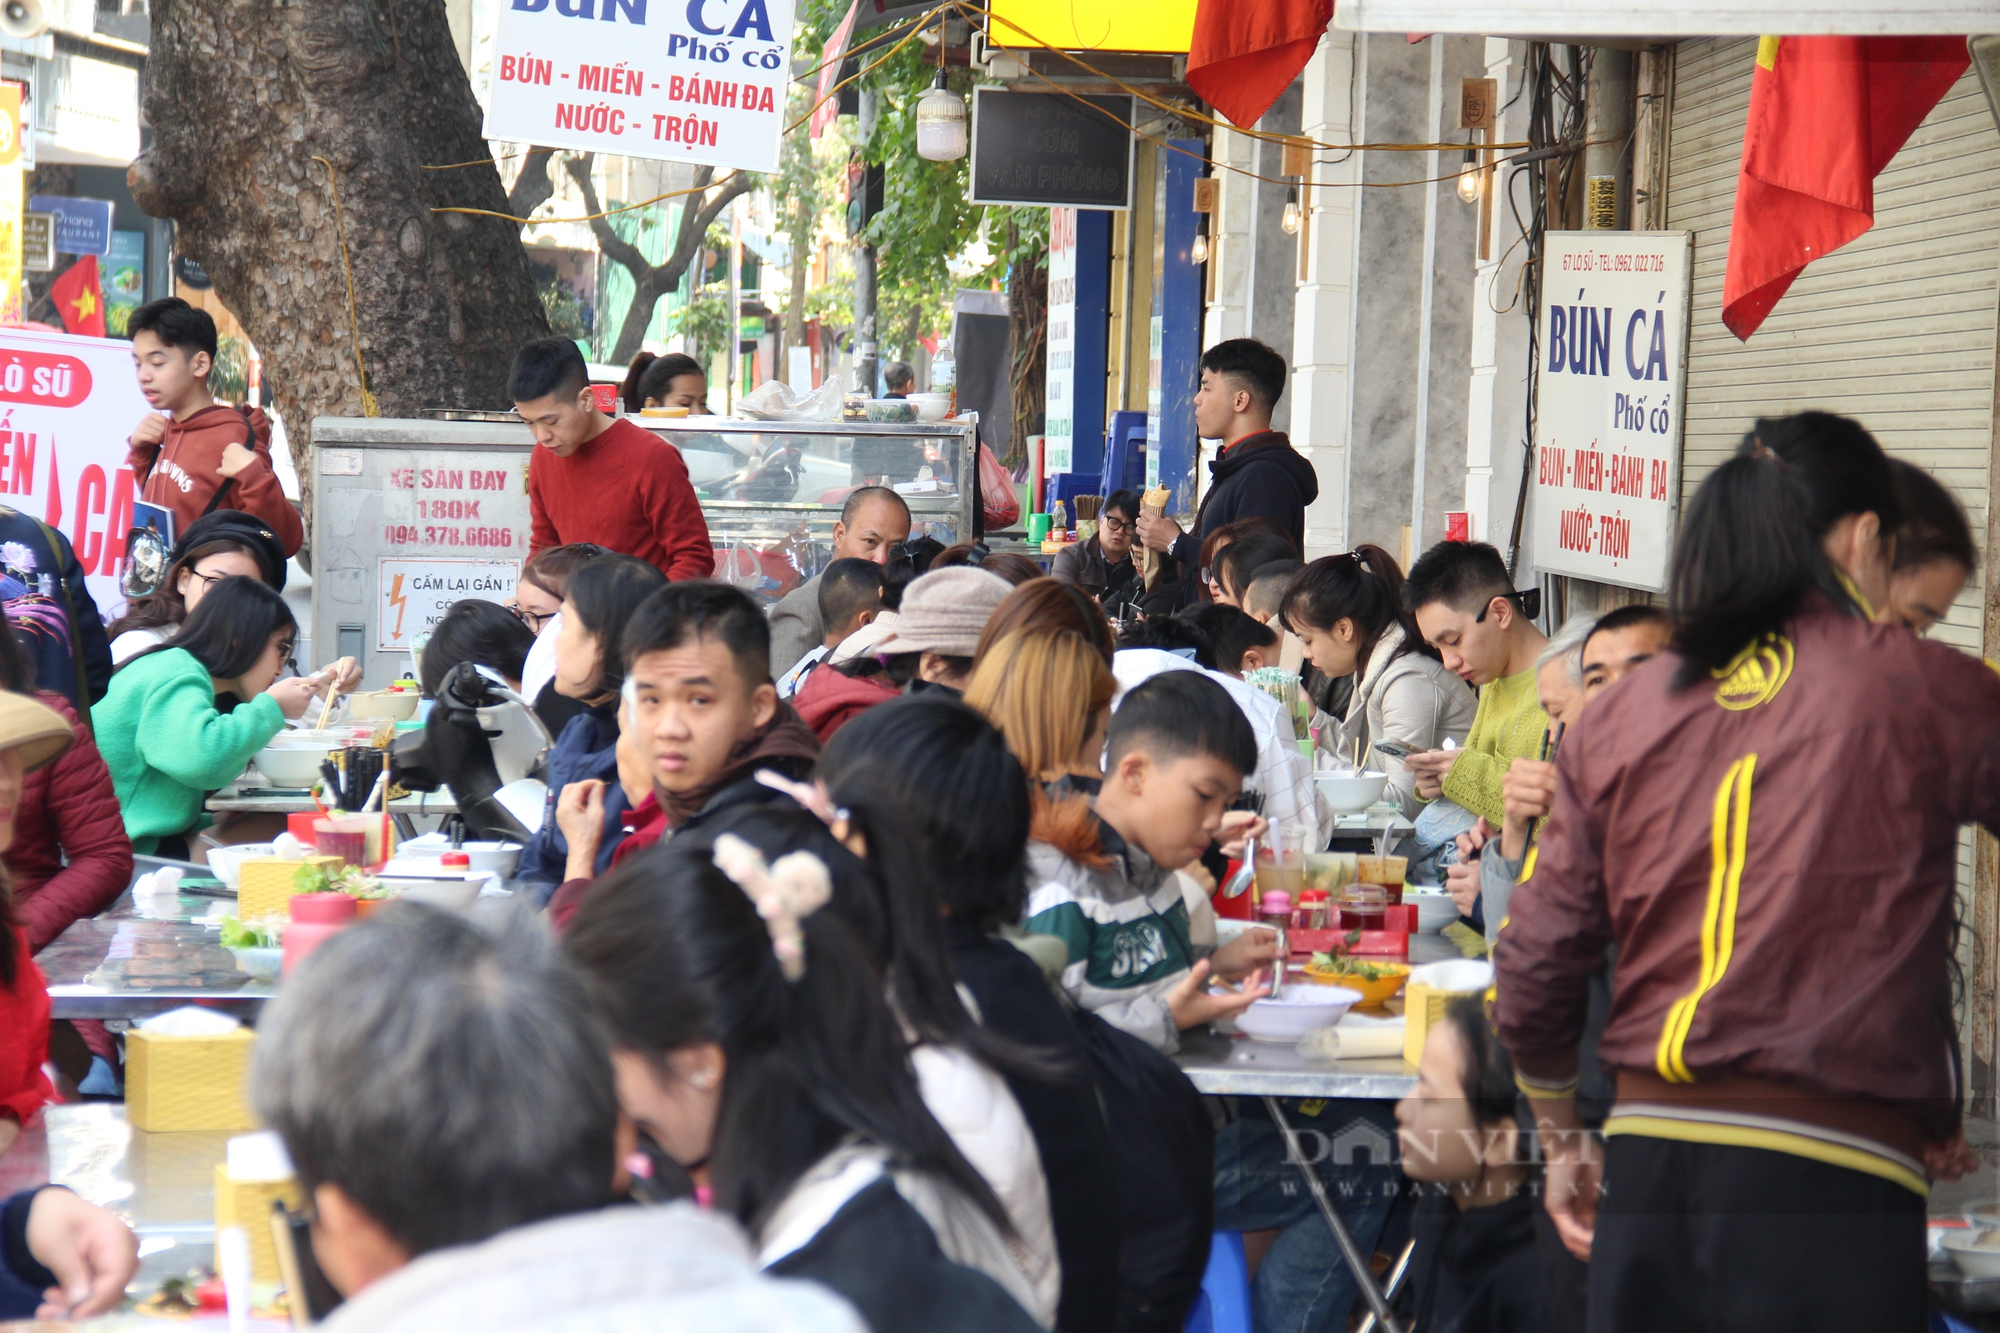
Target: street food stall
(412, 514)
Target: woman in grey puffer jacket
(1348, 610)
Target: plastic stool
(1224, 1303)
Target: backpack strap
(229, 483)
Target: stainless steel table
(257, 800)
(163, 1185)
(144, 958)
(1237, 1066)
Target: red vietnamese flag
(79, 298)
(1246, 52)
(1826, 115)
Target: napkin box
(247, 1204)
(265, 885)
(1424, 1006)
(180, 1083)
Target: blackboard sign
(1045, 149)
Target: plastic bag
(775, 400)
(996, 492)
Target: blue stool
(1224, 1303)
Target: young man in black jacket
(1258, 475)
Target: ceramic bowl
(890, 411)
(1350, 793)
(498, 857)
(1297, 1011)
(454, 894)
(227, 862)
(294, 763)
(1435, 911)
(262, 964)
(1378, 991)
(399, 704)
(931, 406)
(1974, 1259)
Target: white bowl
(1350, 793)
(1973, 1260)
(500, 858)
(262, 964)
(931, 406)
(1435, 911)
(227, 862)
(294, 764)
(1299, 1009)
(452, 893)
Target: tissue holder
(265, 885)
(247, 1204)
(179, 1083)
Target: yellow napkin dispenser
(265, 885)
(247, 1204)
(177, 1083)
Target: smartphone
(1394, 749)
(310, 1296)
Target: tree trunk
(251, 104)
(1028, 307)
(802, 234)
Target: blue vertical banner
(1171, 446)
(1079, 329)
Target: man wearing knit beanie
(940, 621)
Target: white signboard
(685, 80)
(1060, 411)
(1612, 356)
(415, 594)
(66, 406)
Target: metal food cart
(411, 515)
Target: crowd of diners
(847, 970)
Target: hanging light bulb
(1470, 178)
(940, 124)
(1200, 252)
(1290, 221)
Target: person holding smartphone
(1348, 612)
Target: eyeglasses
(534, 620)
(1109, 524)
(208, 580)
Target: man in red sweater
(193, 454)
(593, 479)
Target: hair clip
(785, 893)
(811, 795)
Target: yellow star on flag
(85, 304)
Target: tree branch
(608, 239)
(534, 186)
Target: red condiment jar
(315, 917)
(456, 861)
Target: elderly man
(872, 524)
(450, 1108)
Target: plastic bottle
(944, 374)
(1058, 519)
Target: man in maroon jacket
(192, 454)
(592, 479)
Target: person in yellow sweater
(1464, 602)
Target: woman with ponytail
(1764, 823)
(754, 1046)
(1348, 611)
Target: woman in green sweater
(158, 727)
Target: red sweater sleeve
(24, 1039)
(541, 532)
(79, 815)
(675, 513)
